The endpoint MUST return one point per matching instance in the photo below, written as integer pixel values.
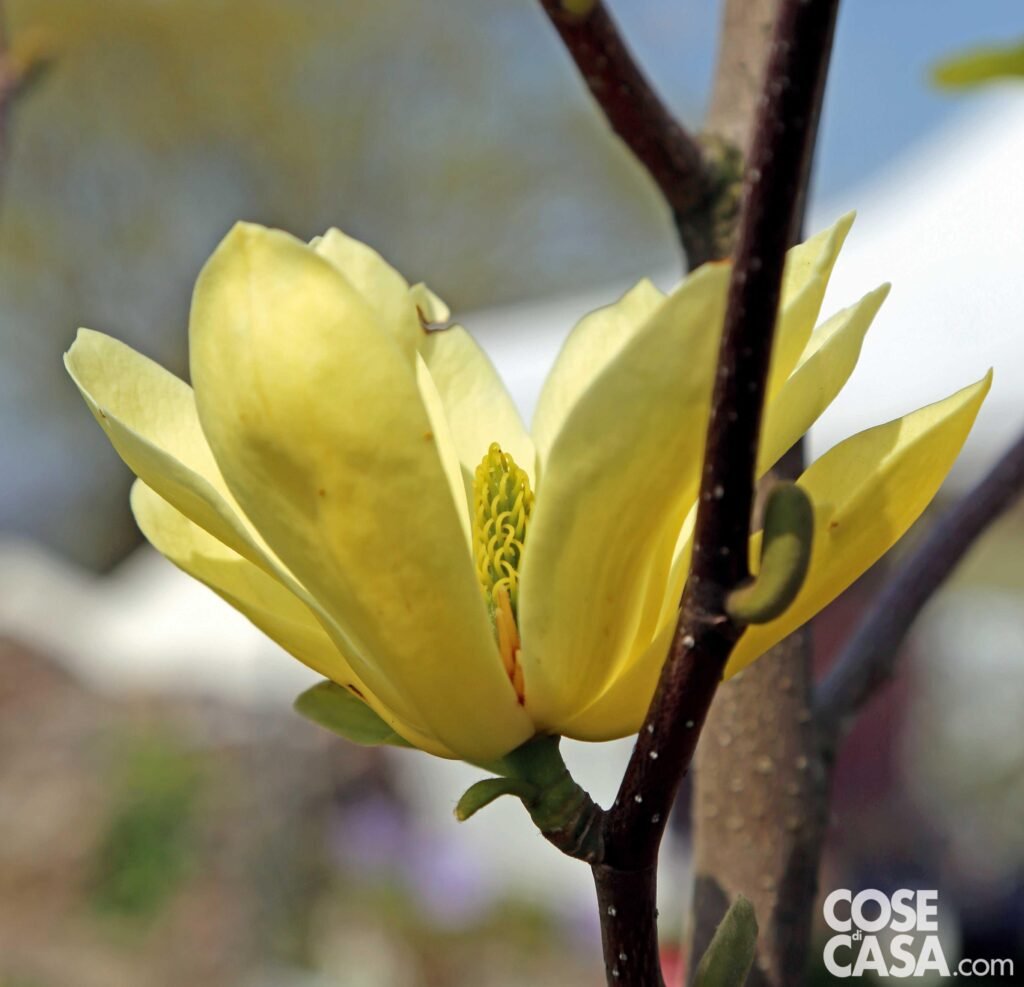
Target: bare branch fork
(674, 159)
(869, 658)
(705, 635)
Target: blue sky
(879, 99)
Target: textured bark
(739, 69)
(627, 903)
(760, 810)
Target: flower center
(502, 502)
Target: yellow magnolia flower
(365, 492)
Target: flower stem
(565, 814)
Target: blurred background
(164, 817)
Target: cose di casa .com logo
(893, 936)
(912, 950)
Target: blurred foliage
(980, 66)
(279, 856)
(456, 139)
(145, 852)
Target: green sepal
(333, 707)
(536, 774)
(486, 791)
(785, 555)
(730, 954)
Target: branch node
(670, 154)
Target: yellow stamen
(508, 639)
(502, 502)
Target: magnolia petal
(446, 450)
(317, 423)
(867, 491)
(673, 588)
(808, 268)
(477, 405)
(620, 710)
(824, 368)
(593, 344)
(284, 618)
(430, 307)
(150, 417)
(276, 611)
(620, 469)
(599, 336)
(382, 287)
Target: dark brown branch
(869, 659)
(758, 833)
(627, 906)
(705, 635)
(671, 156)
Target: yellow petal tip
(841, 228)
(81, 339)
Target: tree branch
(9, 81)
(20, 67)
(705, 635)
(671, 156)
(869, 658)
(743, 42)
(758, 823)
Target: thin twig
(869, 658)
(8, 87)
(20, 67)
(671, 156)
(705, 635)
